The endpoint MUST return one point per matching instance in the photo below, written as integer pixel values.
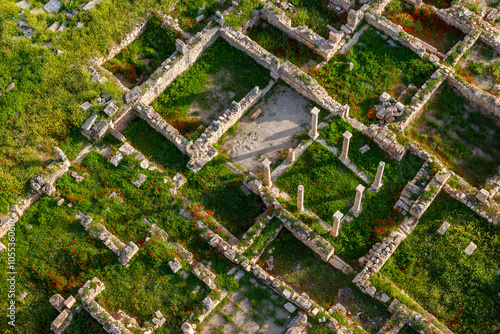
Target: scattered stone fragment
(470, 248)
(23, 4)
(53, 27)
(23, 295)
(444, 227)
(140, 180)
(482, 195)
(115, 160)
(290, 307)
(10, 87)
(364, 149)
(110, 109)
(86, 105)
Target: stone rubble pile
(388, 110)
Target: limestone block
(68, 303)
(140, 180)
(444, 227)
(179, 180)
(384, 97)
(209, 304)
(61, 322)
(175, 265)
(115, 160)
(52, 7)
(23, 4)
(86, 105)
(53, 27)
(470, 248)
(187, 328)
(482, 195)
(57, 301)
(110, 109)
(87, 125)
(290, 307)
(127, 149)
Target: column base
(356, 214)
(376, 189)
(313, 136)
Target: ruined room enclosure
(318, 14)
(283, 46)
(141, 57)
(460, 134)
(204, 91)
(250, 309)
(330, 186)
(461, 291)
(294, 263)
(376, 63)
(424, 24)
(269, 129)
(480, 66)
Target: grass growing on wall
(246, 7)
(460, 290)
(378, 67)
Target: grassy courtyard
(329, 186)
(424, 24)
(216, 188)
(480, 66)
(380, 64)
(460, 290)
(140, 58)
(465, 140)
(304, 271)
(279, 44)
(202, 93)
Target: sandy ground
(284, 113)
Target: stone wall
(185, 56)
(386, 140)
(131, 36)
(292, 75)
(452, 17)
(483, 101)
(421, 97)
(397, 33)
(277, 17)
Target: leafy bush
(477, 68)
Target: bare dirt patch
(284, 114)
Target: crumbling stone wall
(483, 101)
(303, 34)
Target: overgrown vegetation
(316, 15)
(243, 13)
(263, 237)
(460, 290)
(187, 12)
(222, 67)
(217, 188)
(378, 66)
(75, 256)
(145, 54)
(424, 24)
(304, 271)
(43, 111)
(462, 137)
(275, 41)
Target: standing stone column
(300, 198)
(345, 146)
(357, 207)
(337, 218)
(378, 177)
(314, 126)
(291, 155)
(267, 173)
(418, 4)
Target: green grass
(141, 57)
(378, 67)
(275, 41)
(329, 187)
(235, 20)
(217, 188)
(460, 290)
(48, 91)
(156, 147)
(455, 131)
(407, 330)
(187, 11)
(316, 16)
(219, 70)
(304, 271)
(424, 24)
